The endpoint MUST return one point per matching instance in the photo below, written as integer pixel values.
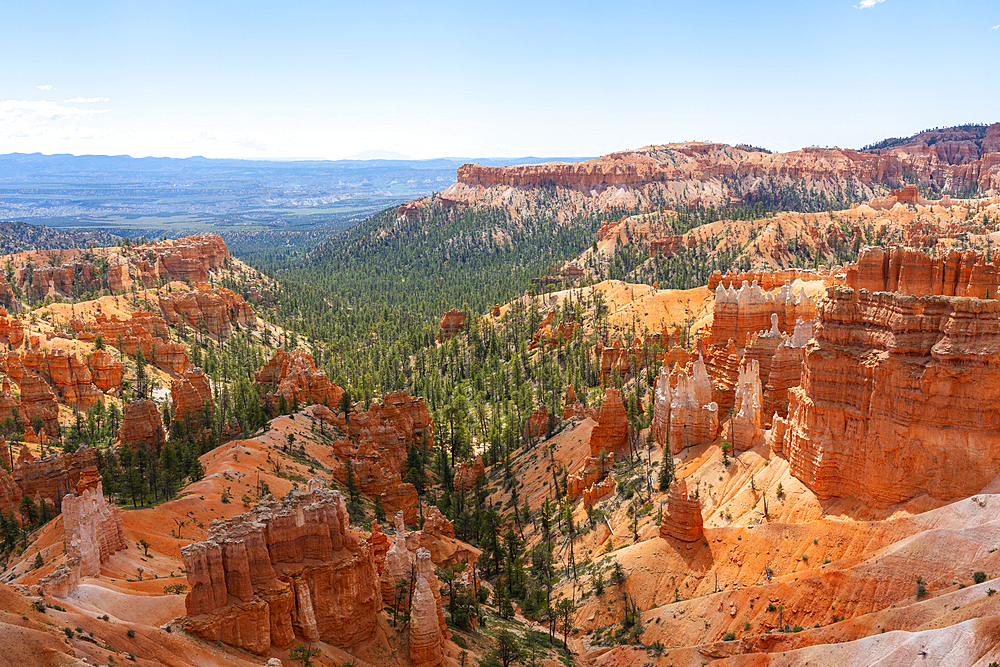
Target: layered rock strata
(426, 631)
(660, 425)
(682, 520)
(191, 394)
(107, 372)
(786, 371)
(452, 324)
(52, 477)
(900, 395)
(694, 417)
(467, 473)
(141, 425)
(739, 313)
(294, 375)
(215, 310)
(914, 272)
(611, 432)
(281, 570)
(746, 426)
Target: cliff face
(750, 309)
(713, 173)
(899, 396)
(694, 417)
(281, 570)
(910, 271)
(611, 432)
(52, 477)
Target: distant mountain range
(152, 196)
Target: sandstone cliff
(281, 570)
(910, 271)
(611, 433)
(141, 424)
(899, 397)
(190, 394)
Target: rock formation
(70, 377)
(598, 490)
(141, 424)
(706, 172)
(401, 497)
(190, 394)
(208, 308)
(295, 376)
(189, 258)
(537, 424)
(93, 531)
(426, 636)
(611, 432)
(747, 423)
(107, 372)
(452, 323)
(914, 272)
(466, 475)
(739, 313)
(594, 469)
(682, 520)
(694, 417)
(280, 570)
(11, 330)
(660, 426)
(785, 373)
(398, 565)
(899, 396)
(380, 546)
(37, 398)
(52, 477)
(142, 331)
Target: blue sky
(330, 79)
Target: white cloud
(996, 27)
(25, 119)
(45, 87)
(868, 4)
(86, 100)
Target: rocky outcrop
(611, 432)
(10, 492)
(11, 330)
(426, 632)
(295, 376)
(214, 310)
(914, 272)
(398, 565)
(93, 529)
(694, 417)
(770, 280)
(190, 394)
(190, 258)
(682, 520)
(467, 473)
(52, 477)
(106, 372)
(142, 331)
(537, 424)
(452, 324)
(786, 370)
(746, 426)
(281, 570)
(594, 469)
(660, 426)
(899, 396)
(379, 543)
(37, 398)
(708, 173)
(70, 377)
(141, 425)
(401, 497)
(596, 491)
(740, 313)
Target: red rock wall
(190, 394)
(212, 309)
(682, 520)
(280, 570)
(910, 271)
(900, 396)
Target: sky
(329, 79)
